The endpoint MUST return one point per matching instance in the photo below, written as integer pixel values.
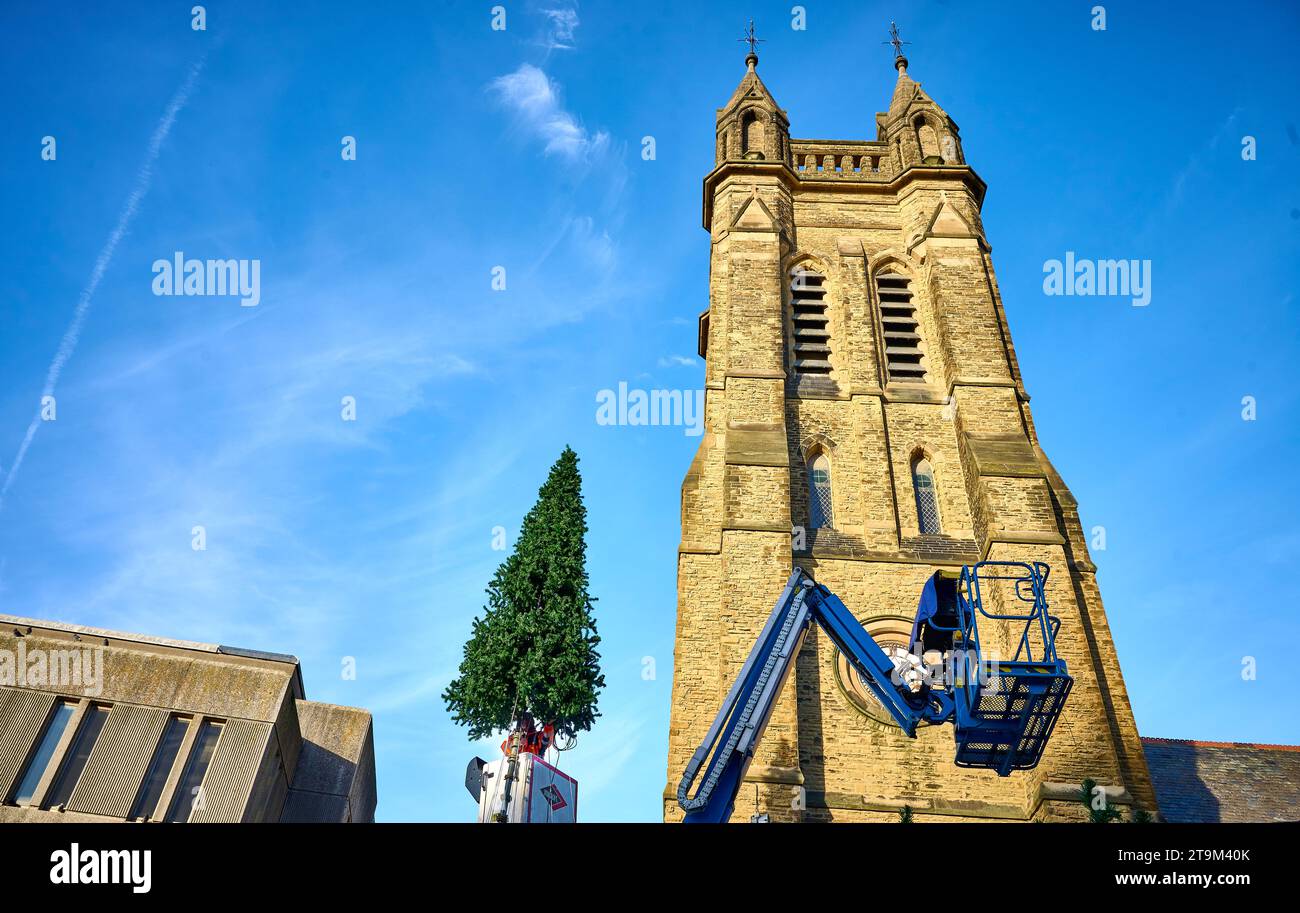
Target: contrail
(143, 179)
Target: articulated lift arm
(1003, 711)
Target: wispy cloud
(587, 208)
(604, 754)
(678, 361)
(1194, 168)
(562, 24)
(535, 100)
(143, 180)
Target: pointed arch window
(926, 138)
(904, 358)
(752, 129)
(812, 336)
(927, 498)
(820, 511)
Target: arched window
(904, 358)
(927, 498)
(751, 133)
(926, 138)
(820, 513)
(812, 338)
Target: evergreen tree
(1099, 810)
(534, 650)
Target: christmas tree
(534, 650)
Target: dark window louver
(902, 331)
(812, 338)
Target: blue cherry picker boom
(1002, 711)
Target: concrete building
(866, 419)
(98, 725)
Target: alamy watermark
(179, 276)
(77, 668)
(674, 408)
(919, 668)
(127, 867)
(1101, 278)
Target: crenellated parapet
(849, 160)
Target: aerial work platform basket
(1004, 708)
(982, 657)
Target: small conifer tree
(1099, 810)
(534, 650)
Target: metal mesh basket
(1012, 717)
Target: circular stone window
(893, 633)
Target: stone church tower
(866, 420)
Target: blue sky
(522, 149)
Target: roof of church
(906, 91)
(751, 87)
(1224, 781)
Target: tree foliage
(1102, 812)
(1099, 810)
(534, 649)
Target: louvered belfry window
(902, 332)
(812, 338)
(821, 514)
(927, 501)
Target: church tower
(867, 421)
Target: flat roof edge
(90, 631)
(257, 654)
